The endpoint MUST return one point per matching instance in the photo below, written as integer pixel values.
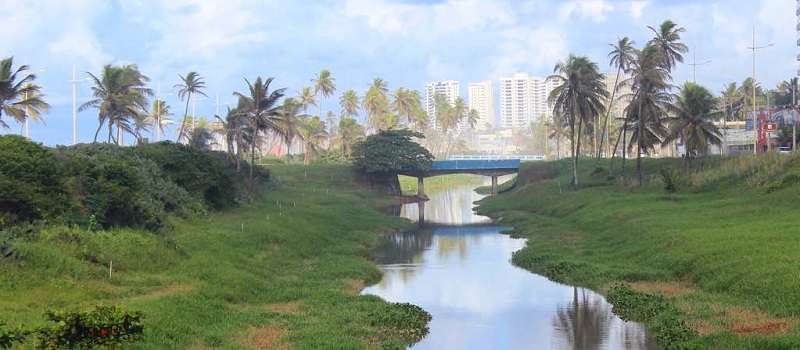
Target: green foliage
(671, 179)
(104, 326)
(205, 175)
(114, 186)
(391, 151)
(9, 337)
(405, 320)
(666, 321)
(31, 182)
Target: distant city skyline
(405, 42)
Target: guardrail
(493, 157)
(475, 164)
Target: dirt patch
(748, 322)
(263, 338)
(292, 307)
(666, 288)
(356, 286)
(160, 293)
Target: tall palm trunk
(253, 157)
(577, 154)
(639, 144)
(185, 114)
(307, 153)
(608, 115)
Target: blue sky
(406, 42)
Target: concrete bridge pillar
(420, 187)
(494, 185)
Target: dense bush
(102, 327)
(31, 182)
(204, 174)
(113, 186)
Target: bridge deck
(475, 164)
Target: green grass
(283, 271)
(438, 183)
(728, 237)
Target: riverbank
(709, 267)
(282, 272)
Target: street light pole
(755, 120)
(694, 65)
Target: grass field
(283, 272)
(714, 266)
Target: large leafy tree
(579, 97)
(693, 120)
(191, 84)
(324, 83)
(20, 98)
(385, 154)
(120, 94)
(260, 107)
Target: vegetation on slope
(721, 251)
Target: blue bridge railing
(475, 164)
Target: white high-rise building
(448, 88)
(524, 99)
(481, 99)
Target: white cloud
(595, 10)
(79, 44)
(637, 8)
(526, 50)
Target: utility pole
(755, 118)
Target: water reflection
(459, 271)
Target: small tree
(383, 155)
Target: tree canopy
(391, 151)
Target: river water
(456, 266)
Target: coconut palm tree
(140, 123)
(376, 104)
(260, 107)
(693, 120)
(307, 98)
(350, 102)
(191, 84)
(290, 121)
(650, 85)
(558, 126)
(579, 97)
(323, 82)
(20, 98)
(202, 135)
(160, 116)
(233, 132)
(119, 96)
(349, 133)
(667, 40)
(314, 135)
(405, 102)
(622, 57)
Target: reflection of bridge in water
(485, 167)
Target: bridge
(522, 157)
(485, 167)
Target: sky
(406, 42)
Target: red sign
(770, 127)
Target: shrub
(31, 182)
(10, 337)
(204, 174)
(671, 179)
(104, 326)
(112, 186)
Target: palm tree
(259, 106)
(650, 86)
(380, 84)
(191, 84)
(733, 101)
(202, 135)
(119, 95)
(376, 104)
(323, 82)
(622, 57)
(405, 102)
(667, 40)
(559, 129)
(350, 103)
(307, 98)
(290, 121)
(349, 132)
(233, 132)
(693, 120)
(313, 134)
(141, 122)
(472, 118)
(579, 98)
(160, 116)
(21, 99)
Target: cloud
(526, 50)
(79, 44)
(595, 10)
(637, 8)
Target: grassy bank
(283, 272)
(713, 266)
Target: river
(456, 266)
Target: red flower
(103, 332)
